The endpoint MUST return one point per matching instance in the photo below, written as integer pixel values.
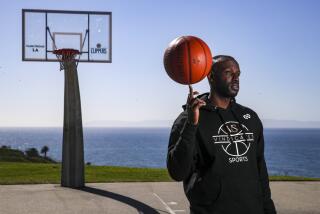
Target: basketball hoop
(68, 44)
(65, 55)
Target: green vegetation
(17, 167)
(39, 173)
(291, 178)
(30, 155)
(44, 150)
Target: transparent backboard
(44, 31)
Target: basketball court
(133, 198)
(95, 198)
(71, 37)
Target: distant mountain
(267, 123)
(270, 123)
(144, 123)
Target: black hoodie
(221, 161)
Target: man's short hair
(217, 60)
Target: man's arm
(181, 148)
(268, 204)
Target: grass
(291, 178)
(42, 173)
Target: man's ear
(210, 78)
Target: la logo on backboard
(234, 141)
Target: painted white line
(172, 203)
(165, 205)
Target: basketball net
(66, 56)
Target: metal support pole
(72, 171)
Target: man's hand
(193, 106)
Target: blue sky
(275, 42)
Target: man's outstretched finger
(190, 90)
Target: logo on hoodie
(246, 116)
(235, 140)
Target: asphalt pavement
(133, 198)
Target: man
(216, 148)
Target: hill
(13, 155)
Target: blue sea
(287, 151)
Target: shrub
(32, 152)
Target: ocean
(287, 151)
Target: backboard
(44, 31)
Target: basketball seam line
(204, 58)
(189, 60)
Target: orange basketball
(187, 60)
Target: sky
(275, 42)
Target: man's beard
(224, 91)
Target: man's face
(226, 79)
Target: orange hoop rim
(66, 52)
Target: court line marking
(172, 203)
(165, 205)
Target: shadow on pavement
(141, 207)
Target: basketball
(187, 60)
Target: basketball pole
(72, 170)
